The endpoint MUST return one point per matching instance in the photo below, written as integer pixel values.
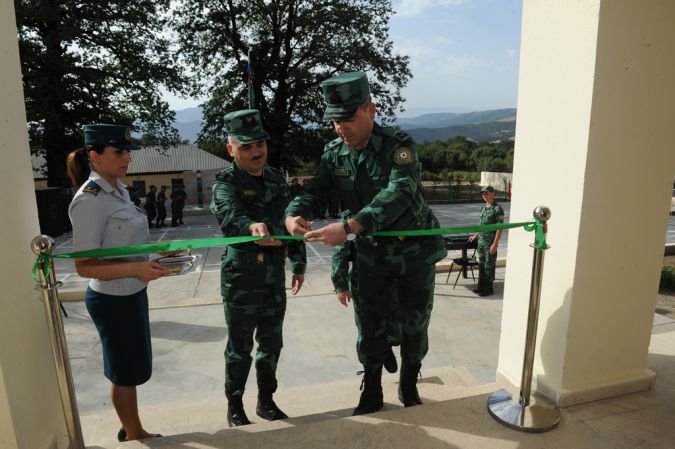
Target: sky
(464, 54)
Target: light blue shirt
(105, 220)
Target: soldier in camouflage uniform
(376, 172)
(488, 242)
(249, 198)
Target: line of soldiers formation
(376, 173)
(155, 204)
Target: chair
(463, 262)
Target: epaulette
(92, 187)
(333, 144)
(398, 134)
(275, 172)
(224, 173)
(403, 136)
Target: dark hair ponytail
(78, 164)
(78, 167)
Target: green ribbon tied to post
(181, 245)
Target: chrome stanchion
(536, 414)
(44, 245)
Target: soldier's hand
(473, 237)
(296, 283)
(297, 225)
(493, 250)
(331, 235)
(344, 297)
(261, 229)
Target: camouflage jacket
(341, 257)
(490, 215)
(239, 200)
(381, 185)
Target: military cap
(487, 189)
(245, 126)
(117, 136)
(343, 94)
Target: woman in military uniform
(104, 216)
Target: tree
(92, 62)
(295, 44)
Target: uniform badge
(127, 134)
(403, 156)
(341, 172)
(249, 193)
(92, 187)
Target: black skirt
(123, 325)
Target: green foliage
(462, 154)
(667, 278)
(215, 147)
(295, 44)
(92, 62)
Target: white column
(30, 409)
(595, 142)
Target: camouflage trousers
(254, 300)
(486, 264)
(393, 321)
(383, 297)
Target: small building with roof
(180, 164)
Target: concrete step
(206, 419)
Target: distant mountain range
(497, 124)
(481, 126)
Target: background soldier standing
(178, 197)
(377, 175)
(249, 198)
(161, 207)
(488, 242)
(151, 205)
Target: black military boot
(487, 291)
(390, 363)
(481, 280)
(236, 416)
(266, 407)
(371, 394)
(407, 385)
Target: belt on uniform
(260, 257)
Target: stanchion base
(540, 416)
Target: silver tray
(178, 265)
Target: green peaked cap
(117, 136)
(343, 94)
(245, 126)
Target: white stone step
(307, 404)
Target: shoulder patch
(403, 156)
(92, 188)
(333, 144)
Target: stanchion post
(44, 245)
(529, 414)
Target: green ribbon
(182, 245)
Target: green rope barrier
(182, 245)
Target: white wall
(595, 103)
(30, 408)
(498, 180)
